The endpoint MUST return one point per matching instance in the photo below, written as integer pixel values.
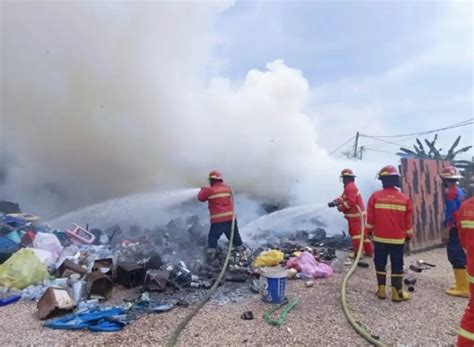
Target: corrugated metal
(421, 181)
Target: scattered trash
(422, 263)
(415, 268)
(9, 300)
(247, 315)
(306, 264)
(272, 284)
(7, 248)
(68, 268)
(309, 284)
(104, 320)
(22, 269)
(99, 286)
(362, 264)
(81, 235)
(130, 275)
(268, 258)
(54, 302)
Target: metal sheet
(421, 181)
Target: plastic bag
(22, 269)
(268, 258)
(48, 242)
(306, 264)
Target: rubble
(84, 264)
(54, 302)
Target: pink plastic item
(82, 235)
(305, 263)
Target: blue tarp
(95, 320)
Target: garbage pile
(77, 269)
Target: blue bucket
(273, 284)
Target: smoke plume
(100, 100)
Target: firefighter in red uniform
(347, 203)
(466, 234)
(389, 221)
(221, 208)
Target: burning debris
(85, 264)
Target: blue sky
(376, 67)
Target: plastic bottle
(337, 265)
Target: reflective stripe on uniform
(397, 275)
(356, 237)
(470, 278)
(369, 226)
(468, 224)
(223, 214)
(391, 241)
(346, 205)
(366, 240)
(468, 335)
(391, 207)
(380, 272)
(354, 214)
(219, 195)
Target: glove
(332, 204)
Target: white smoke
(102, 99)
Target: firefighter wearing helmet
(347, 203)
(466, 235)
(453, 197)
(221, 208)
(389, 221)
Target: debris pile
(74, 271)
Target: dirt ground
(430, 318)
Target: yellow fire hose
(345, 306)
(174, 337)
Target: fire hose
(174, 337)
(345, 306)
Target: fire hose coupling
(333, 204)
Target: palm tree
(434, 153)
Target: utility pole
(356, 145)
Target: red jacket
(466, 234)
(220, 203)
(389, 216)
(349, 199)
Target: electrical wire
(345, 143)
(452, 126)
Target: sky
(380, 68)
(101, 99)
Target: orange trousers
(466, 332)
(355, 228)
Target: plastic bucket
(273, 284)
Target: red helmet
(215, 175)
(450, 173)
(388, 170)
(347, 173)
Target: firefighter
(466, 234)
(221, 208)
(346, 204)
(453, 198)
(389, 221)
